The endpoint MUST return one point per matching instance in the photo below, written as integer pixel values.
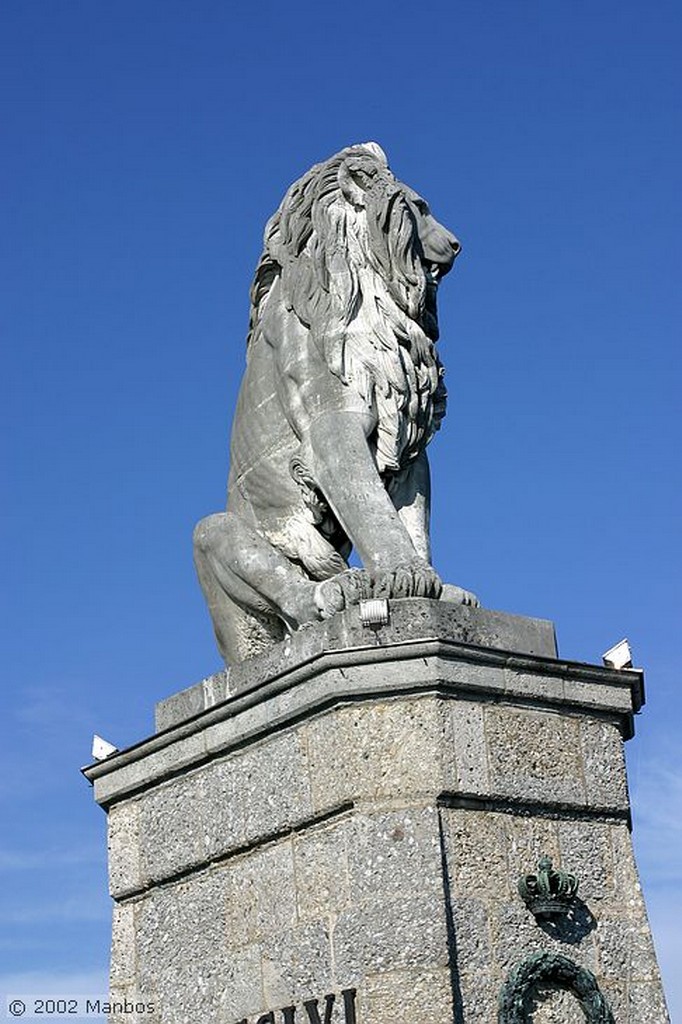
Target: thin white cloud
(63, 910)
(93, 982)
(43, 706)
(30, 860)
(666, 925)
(657, 814)
(656, 790)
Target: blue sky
(145, 145)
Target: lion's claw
(412, 579)
(341, 591)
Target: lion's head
(359, 257)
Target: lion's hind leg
(243, 623)
(253, 591)
(242, 633)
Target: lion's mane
(345, 246)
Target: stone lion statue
(342, 392)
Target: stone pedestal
(334, 832)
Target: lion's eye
(421, 206)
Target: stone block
(370, 751)
(321, 869)
(171, 827)
(258, 792)
(476, 852)
(181, 946)
(626, 950)
(297, 964)
(394, 855)
(527, 840)
(260, 894)
(615, 991)
(466, 767)
(626, 892)
(123, 974)
(476, 994)
(413, 996)
(126, 874)
(239, 986)
(646, 1002)
(585, 848)
(520, 682)
(374, 937)
(534, 755)
(473, 940)
(180, 706)
(604, 764)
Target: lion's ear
(351, 178)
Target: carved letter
(349, 1004)
(288, 1014)
(314, 1013)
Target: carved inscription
(311, 1013)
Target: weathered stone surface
(297, 964)
(533, 753)
(394, 855)
(123, 975)
(626, 950)
(192, 701)
(239, 988)
(365, 826)
(588, 844)
(557, 1007)
(467, 769)
(375, 937)
(410, 619)
(180, 943)
(373, 751)
(125, 851)
(261, 791)
(603, 764)
(415, 995)
(170, 827)
(475, 676)
(321, 868)
(646, 1002)
(261, 894)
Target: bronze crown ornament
(550, 892)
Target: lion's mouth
(434, 272)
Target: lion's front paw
(341, 591)
(412, 579)
(457, 595)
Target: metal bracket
(374, 613)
